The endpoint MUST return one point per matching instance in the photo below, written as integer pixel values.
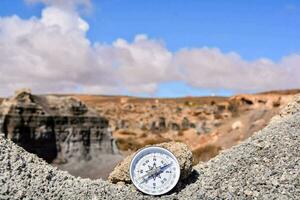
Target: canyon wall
(57, 129)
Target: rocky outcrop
(267, 101)
(181, 151)
(59, 129)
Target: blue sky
(253, 29)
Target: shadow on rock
(192, 178)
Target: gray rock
(174, 126)
(55, 128)
(185, 124)
(162, 123)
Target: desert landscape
(265, 166)
(207, 124)
(87, 135)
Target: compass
(154, 170)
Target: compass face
(154, 170)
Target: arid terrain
(207, 124)
(88, 134)
(265, 166)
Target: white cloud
(49, 54)
(143, 64)
(67, 22)
(210, 68)
(52, 54)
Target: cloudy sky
(149, 48)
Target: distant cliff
(57, 129)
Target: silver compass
(154, 170)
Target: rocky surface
(61, 130)
(181, 151)
(266, 166)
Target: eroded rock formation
(59, 129)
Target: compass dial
(154, 170)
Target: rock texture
(266, 166)
(180, 150)
(55, 128)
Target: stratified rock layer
(266, 166)
(55, 128)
